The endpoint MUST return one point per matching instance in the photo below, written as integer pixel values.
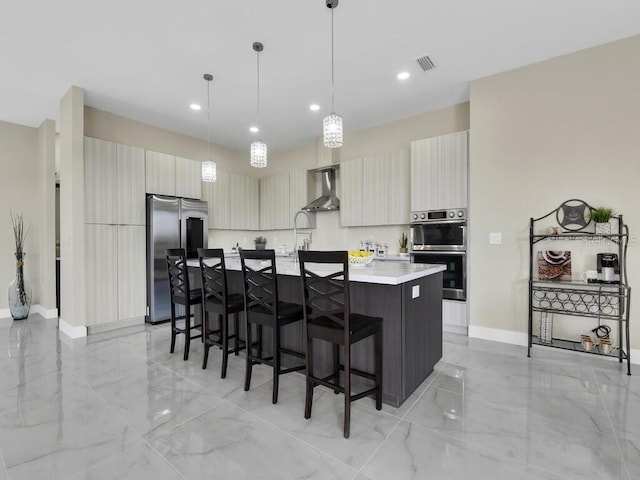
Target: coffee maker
(608, 268)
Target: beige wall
(542, 134)
(20, 193)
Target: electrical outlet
(415, 291)
(495, 238)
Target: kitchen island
(407, 296)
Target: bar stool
(263, 308)
(181, 294)
(218, 301)
(328, 317)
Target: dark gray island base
(411, 332)
(408, 297)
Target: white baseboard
(46, 313)
(106, 327)
(520, 338)
(37, 308)
(497, 335)
(72, 331)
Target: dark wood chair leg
(173, 327)
(276, 363)
(378, 361)
(225, 344)
(259, 341)
(308, 404)
(205, 322)
(336, 364)
(347, 390)
(247, 374)
(236, 332)
(187, 330)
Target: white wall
(542, 134)
(20, 194)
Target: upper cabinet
(233, 202)
(100, 181)
(188, 178)
(114, 183)
(374, 190)
(131, 185)
(281, 196)
(161, 173)
(439, 172)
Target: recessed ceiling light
(254, 129)
(403, 75)
(314, 107)
(195, 106)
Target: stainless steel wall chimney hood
(328, 200)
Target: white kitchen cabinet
(439, 172)
(351, 193)
(217, 197)
(251, 213)
(188, 178)
(131, 185)
(236, 201)
(275, 202)
(375, 176)
(454, 315)
(160, 173)
(131, 275)
(101, 271)
(374, 190)
(100, 181)
(399, 197)
(301, 189)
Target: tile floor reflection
(119, 406)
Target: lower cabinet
(132, 298)
(101, 273)
(114, 273)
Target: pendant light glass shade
(258, 154)
(332, 131)
(332, 124)
(209, 170)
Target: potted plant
(403, 242)
(601, 217)
(19, 293)
(260, 242)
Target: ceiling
(144, 59)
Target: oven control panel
(459, 214)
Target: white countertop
(387, 272)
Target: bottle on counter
(363, 246)
(382, 249)
(373, 248)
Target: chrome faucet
(307, 242)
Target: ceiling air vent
(425, 63)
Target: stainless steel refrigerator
(171, 223)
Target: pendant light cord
(332, 75)
(258, 86)
(208, 120)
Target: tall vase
(19, 292)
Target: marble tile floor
(119, 406)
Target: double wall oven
(440, 237)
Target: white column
(72, 289)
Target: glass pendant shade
(258, 154)
(332, 130)
(209, 171)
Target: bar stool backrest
(213, 273)
(260, 281)
(325, 292)
(178, 276)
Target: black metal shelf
(597, 300)
(577, 347)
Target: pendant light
(258, 156)
(209, 171)
(332, 124)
